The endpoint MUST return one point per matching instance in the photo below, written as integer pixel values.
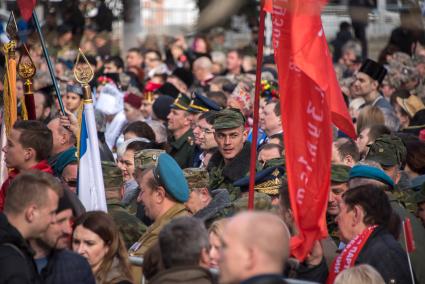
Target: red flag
(268, 6)
(308, 92)
(26, 7)
(410, 242)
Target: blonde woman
(215, 233)
(363, 273)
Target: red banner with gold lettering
(309, 92)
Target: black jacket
(16, 257)
(385, 254)
(61, 262)
(265, 279)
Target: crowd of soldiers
(175, 134)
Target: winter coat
(16, 257)
(185, 274)
(385, 254)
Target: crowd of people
(174, 126)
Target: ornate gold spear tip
(83, 72)
(26, 67)
(12, 28)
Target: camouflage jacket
(130, 226)
(219, 207)
(417, 257)
(224, 175)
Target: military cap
(262, 202)
(196, 178)
(182, 102)
(375, 70)
(169, 175)
(146, 158)
(340, 173)
(201, 103)
(274, 163)
(419, 196)
(387, 150)
(267, 181)
(369, 172)
(229, 118)
(112, 175)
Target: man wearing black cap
(179, 123)
(367, 82)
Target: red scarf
(42, 166)
(348, 256)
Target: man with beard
(53, 258)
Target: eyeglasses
(70, 182)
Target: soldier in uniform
(129, 225)
(231, 161)
(390, 152)
(340, 175)
(164, 191)
(181, 143)
(207, 205)
(267, 185)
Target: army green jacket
(417, 257)
(148, 239)
(130, 226)
(224, 175)
(183, 150)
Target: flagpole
(49, 63)
(253, 160)
(407, 249)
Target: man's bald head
(254, 243)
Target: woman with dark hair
(97, 238)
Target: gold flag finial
(26, 67)
(12, 28)
(83, 72)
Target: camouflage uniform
(262, 202)
(223, 175)
(339, 174)
(219, 207)
(130, 226)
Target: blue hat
(267, 181)
(169, 175)
(202, 103)
(364, 171)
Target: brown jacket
(148, 239)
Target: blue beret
(365, 171)
(168, 173)
(267, 181)
(202, 103)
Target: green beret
(146, 157)
(182, 102)
(169, 175)
(229, 118)
(196, 178)
(112, 175)
(388, 151)
(340, 173)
